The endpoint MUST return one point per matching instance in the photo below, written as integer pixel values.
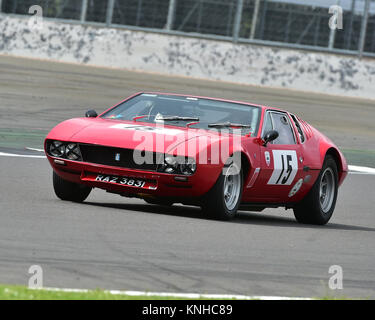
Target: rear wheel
(319, 204)
(223, 200)
(69, 191)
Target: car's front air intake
(118, 157)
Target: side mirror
(270, 136)
(91, 114)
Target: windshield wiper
(228, 125)
(176, 118)
(139, 117)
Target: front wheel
(318, 206)
(69, 191)
(223, 200)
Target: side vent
(306, 128)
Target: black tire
(162, 202)
(214, 204)
(69, 191)
(310, 210)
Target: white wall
(209, 59)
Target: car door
(280, 161)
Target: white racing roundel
(157, 129)
(296, 188)
(285, 167)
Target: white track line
(4, 154)
(176, 295)
(353, 169)
(362, 169)
(35, 149)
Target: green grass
(335, 298)
(360, 157)
(10, 292)
(21, 138)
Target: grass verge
(18, 138)
(11, 292)
(360, 157)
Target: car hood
(132, 135)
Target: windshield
(156, 108)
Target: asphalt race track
(117, 243)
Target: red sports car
(218, 154)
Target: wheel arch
(245, 164)
(339, 161)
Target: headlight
(171, 161)
(178, 165)
(65, 150)
(188, 167)
(57, 149)
(72, 151)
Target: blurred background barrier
(276, 43)
(301, 24)
(188, 56)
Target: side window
(267, 123)
(299, 129)
(282, 126)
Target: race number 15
(285, 167)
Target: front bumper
(161, 184)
